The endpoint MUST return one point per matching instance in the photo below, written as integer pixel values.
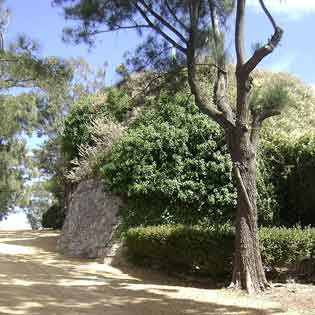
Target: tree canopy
(31, 88)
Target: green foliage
(30, 87)
(285, 159)
(17, 117)
(267, 198)
(49, 160)
(91, 16)
(297, 119)
(118, 103)
(21, 67)
(288, 175)
(208, 250)
(286, 246)
(271, 91)
(174, 167)
(54, 217)
(11, 176)
(112, 104)
(37, 201)
(195, 249)
(75, 128)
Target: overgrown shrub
(209, 250)
(173, 166)
(286, 161)
(104, 133)
(112, 104)
(53, 218)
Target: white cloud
(290, 8)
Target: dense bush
(209, 250)
(286, 161)
(174, 167)
(173, 164)
(53, 218)
(111, 104)
(287, 183)
(282, 246)
(193, 249)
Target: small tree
(30, 87)
(188, 28)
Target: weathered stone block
(91, 220)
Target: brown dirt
(35, 280)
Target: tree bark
(242, 130)
(248, 272)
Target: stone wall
(91, 220)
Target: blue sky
(297, 49)
(40, 21)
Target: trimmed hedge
(209, 250)
(182, 248)
(286, 246)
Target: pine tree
(195, 28)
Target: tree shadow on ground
(43, 282)
(116, 297)
(45, 240)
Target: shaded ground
(35, 280)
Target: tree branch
(8, 60)
(271, 19)
(201, 98)
(220, 87)
(175, 16)
(268, 48)
(239, 33)
(236, 168)
(163, 21)
(264, 51)
(258, 119)
(11, 83)
(1, 42)
(159, 31)
(268, 113)
(203, 102)
(214, 23)
(220, 96)
(118, 28)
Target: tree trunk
(248, 272)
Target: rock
(91, 221)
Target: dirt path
(35, 280)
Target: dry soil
(35, 280)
